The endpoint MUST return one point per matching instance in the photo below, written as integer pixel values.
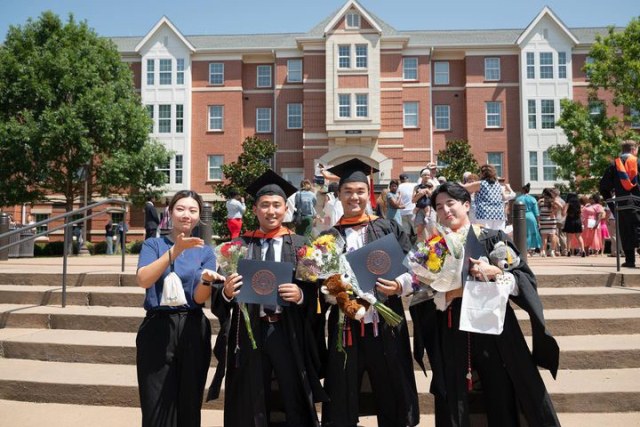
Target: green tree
(67, 104)
(593, 142)
(616, 65)
(458, 158)
(253, 162)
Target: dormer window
(353, 20)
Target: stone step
(118, 296)
(29, 414)
(606, 390)
(616, 321)
(59, 345)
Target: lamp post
(84, 175)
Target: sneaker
(543, 254)
(553, 254)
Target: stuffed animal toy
(337, 290)
(504, 257)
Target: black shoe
(627, 265)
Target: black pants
(173, 356)
(277, 357)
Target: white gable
(165, 24)
(548, 18)
(355, 5)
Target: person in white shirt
(235, 211)
(405, 190)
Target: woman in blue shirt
(533, 219)
(173, 345)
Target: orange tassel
(362, 327)
(349, 340)
(450, 322)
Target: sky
(192, 17)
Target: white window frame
(441, 77)
(499, 167)
(293, 115)
(211, 168)
(258, 76)
(151, 72)
(359, 105)
(534, 167)
(407, 68)
(347, 58)
(548, 165)
(180, 118)
(493, 114)
(165, 120)
(342, 96)
(177, 169)
(545, 114)
(41, 217)
(362, 58)
(562, 65)
(164, 73)
(265, 120)
(532, 114)
(545, 67)
(406, 115)
(213, 73)
(595, 108)
(438, 111)
(355, 21)
(491, 68)
(531, 65)
(180, 71)
(209, 117)
(291, 71)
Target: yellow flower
(309, 253)
(434, 263)
(327, 240)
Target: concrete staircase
(79, 362)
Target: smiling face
(270, 211)
(185, 215)
(354, 196)
(451, 213)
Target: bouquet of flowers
(321, 258)
(227, 256)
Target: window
(492, 68)
(294, 116)
(361, 56)
(216, 117)
(362, 105)
(546, 65)
(533, 165)
(264, 75)
(117, 217)
(165, 168)
(344, 56)
(595, 109)
(344, 105)
(294, 70)
(549, 169)
(178, 170)
(442, 117)
(180, 71)
(216, 73)
(441, 73)
(150, 113)
(165, 71)
(164, 118)
(440, 164)
(588, 61)
(562, 65)
(215, 169)
(635, 118)
(41, 217)
(263, 120)
(410, 68)
(353, 20)
(531, 65)
(495, 160)
(494, 114)
(179, 118)
(151, 69)
(410, 114)
(547, 114)
(532, 114)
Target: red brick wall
(509, 69)
(313, 67)
(356, 82)
(136, 67)
(390, 65)
(232, 73)
(250, 77)
(457, 117)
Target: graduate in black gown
(505, 378)
(285, 342)
(377, 356)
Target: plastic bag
(484, 306)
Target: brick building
(353, 86)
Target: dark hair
(453, 189)
(574, 205)
(526, 188)
(184, 194)
(233, 193)
(596, 198)
(488, 173)
(333, 188)
(393, 182)
(628, 146)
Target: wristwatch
(207, 283)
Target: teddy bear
(504, 257)
(337, 290)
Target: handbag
(297, 215)
(172, 290)
(484, 306)
(592, 223)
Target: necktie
(270, 256)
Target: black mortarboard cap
(270, 183)
(354, 170)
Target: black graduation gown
(448, 352)
(629, 220)
(343, 378)
(244, 392)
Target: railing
(4, 236)
(625, 207)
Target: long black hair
(574, 205)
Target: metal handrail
(66, 227)
(630, 206)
